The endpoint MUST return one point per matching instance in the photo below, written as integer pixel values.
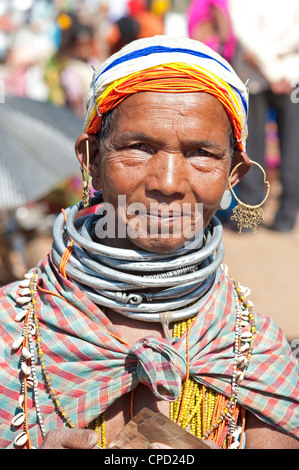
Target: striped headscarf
(167, 64)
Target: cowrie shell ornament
(246, 336)
(25, 369)
(25, 283)
(244, 347)
(240, 376)
(21, 315)
(18, 419)
(21, 401)
(23, 300)
(30, 382)
(28, 275)
(24, 292)
(21, 439)
(27, 354)
(17, 343)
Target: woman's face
(168, 157)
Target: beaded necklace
(32, 328)
(204, 412)
(200, 410)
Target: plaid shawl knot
(159, 366)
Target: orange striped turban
(168, 65)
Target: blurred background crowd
(48, 49)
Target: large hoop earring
(248, 216)
(85, 177)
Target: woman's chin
(158, 245)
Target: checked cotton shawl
(90, 368)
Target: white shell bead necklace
(28, 358)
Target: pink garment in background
(199, 11)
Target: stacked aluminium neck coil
(135, 283)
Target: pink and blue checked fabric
(90, 367)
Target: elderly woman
(133, 305)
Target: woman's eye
(142, 147)
(199, 153)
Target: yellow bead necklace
(198, 408)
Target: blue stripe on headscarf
(243, 99)
(157, 50)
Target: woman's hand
(62, 438)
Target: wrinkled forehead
(177, 112)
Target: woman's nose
(168, 175)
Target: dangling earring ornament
(85, 176)
(248, 216)
(226, 200)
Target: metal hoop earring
(248, 216)
(85, 177)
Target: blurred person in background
(268, 59)
(150, 20)
(68, 73)
(173, 16)
(29, 43)
(209, 22)
(122, 32)
(139, 21)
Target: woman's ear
(239, 157)
(87, 150)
